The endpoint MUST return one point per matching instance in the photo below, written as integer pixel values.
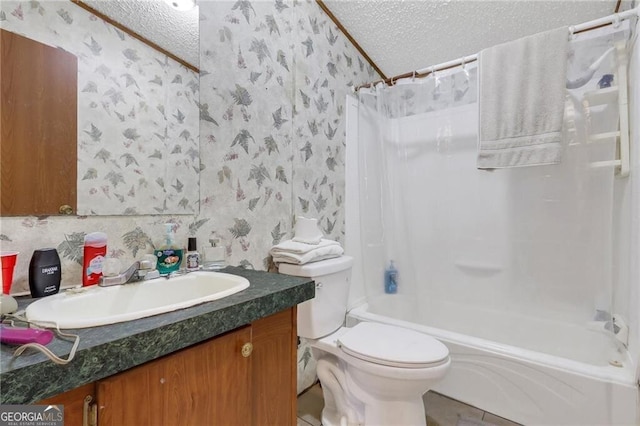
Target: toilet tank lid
(317, 269)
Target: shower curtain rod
(574, 29)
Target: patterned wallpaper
(138, 121)
(274, 76)
(276, 146)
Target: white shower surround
(533, 370)
(630, 296)
(526, 385)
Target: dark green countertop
(107, 350)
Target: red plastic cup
(8, 265)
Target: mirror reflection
(137, 113)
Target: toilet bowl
(371, 374)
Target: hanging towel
(300, 253)
(522, 98)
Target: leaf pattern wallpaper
(270, 146)
(274, 76)
(138, 115)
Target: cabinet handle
(89, 412)
(65, 209)
(247, 348)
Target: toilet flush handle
(319, 285)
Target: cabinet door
(38, 127)
(274, 369)
(206, 384)
(73, 402)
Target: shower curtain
(527, 244)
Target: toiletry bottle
(193, 257)
(45, 272)
(391, 279)
(214, 258)
(95, 249)
(169, 256)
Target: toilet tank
(326, 312)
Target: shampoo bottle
(391, 279)
(169, 256)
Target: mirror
(137, 112)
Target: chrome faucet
(140, 270)
(607, 320)
(614, 323)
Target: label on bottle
(193, 261)
(49, 270)
(95, 265)
(169, 260)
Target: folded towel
(290, 246)
(313, 256)
(300, 253)
(522, 98)
(307, 231)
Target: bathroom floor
(442, 411)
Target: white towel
(522, 98)
(300, 253)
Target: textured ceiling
(155, 20)
(404, 35)
(398, 35)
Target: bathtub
(568, 379)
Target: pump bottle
(169, 256)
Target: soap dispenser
(169, 256)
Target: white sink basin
(94, 306)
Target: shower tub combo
(514, 269)
(570, 381)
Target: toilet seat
(392, 346)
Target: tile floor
(442, 411)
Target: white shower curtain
(532, 243)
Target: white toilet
(371, 374)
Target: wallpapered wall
(138, 123)
(278, 148)
(274, 76)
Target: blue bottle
(391, 279)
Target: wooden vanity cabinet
(201, 385)
(243, 377)
(274, 369)
(74, 402)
